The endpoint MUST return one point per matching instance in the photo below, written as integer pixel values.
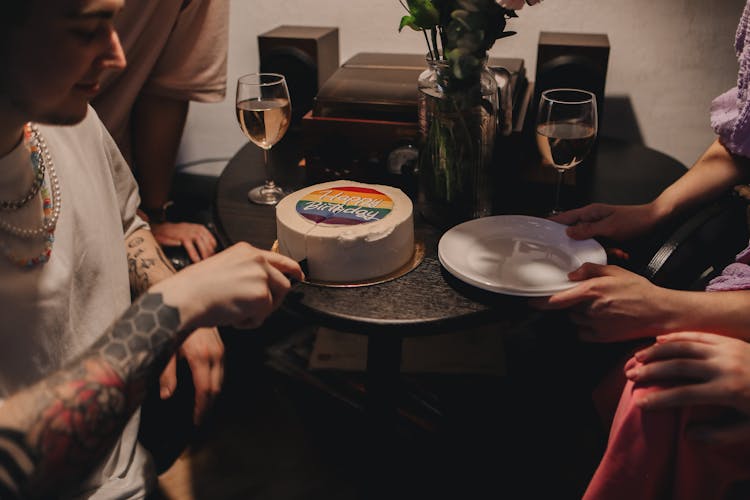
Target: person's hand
(196, 238)
(611, 304)
(204, 352)
(616, 222)
(240, 286)
(701, 369)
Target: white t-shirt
(53, 312)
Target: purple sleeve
(730, 112)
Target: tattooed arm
(52, 433)
(147, 264)
(204, 350)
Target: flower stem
(433, 32)
(429, 49)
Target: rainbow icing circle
(345, 205)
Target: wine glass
(263, 112)
(566, 128)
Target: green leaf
(408, 21)
(463, 18)
(444, 7)
(471, 41)
(424, 13)
(463, 63)
(469, 5)
(467, 30)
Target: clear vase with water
(458, 126)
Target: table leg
(382, 379)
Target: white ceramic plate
(515, 254)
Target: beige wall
(668, 57)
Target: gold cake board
(416, 258)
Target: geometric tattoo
(147, 329)
(73, 417)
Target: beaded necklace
(39, 166)
(41, 161)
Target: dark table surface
(428, 300)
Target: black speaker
(565, 60)
(306, 55)
(572, 60)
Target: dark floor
(274, 436)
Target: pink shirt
(174, 48)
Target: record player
(363, 125)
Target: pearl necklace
(51, 199)
(38, 166)
(49, 222)
(44, 255)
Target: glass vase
(458, 126)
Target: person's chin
(69, 113)
(71, 117)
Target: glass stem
(270, 184)
(556, 207)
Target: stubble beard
(31, 112)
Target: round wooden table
(427, 300)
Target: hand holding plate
(611, 304)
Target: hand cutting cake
(349, 232)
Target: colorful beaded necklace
(38, 166)
(41, 160)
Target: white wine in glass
(565, 131)
(263, 112)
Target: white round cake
(348, 231)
